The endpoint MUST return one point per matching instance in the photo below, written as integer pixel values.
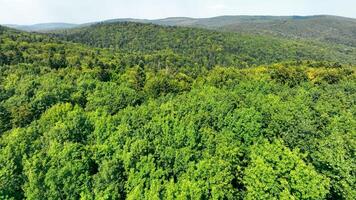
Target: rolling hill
(218, 48)
(324, 28)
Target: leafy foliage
(78, 122)
(207, 48)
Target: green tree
(5, 120)
(275, 172)
(112, 97)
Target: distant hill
(217, 47)
(42, 27)
(324, 28)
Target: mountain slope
(324, 28)
(333, 29)
(218, 48)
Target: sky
(80, 11)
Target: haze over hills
(42, 27)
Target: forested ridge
(140, 111)
(323, 28)
(206, 47)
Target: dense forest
(323, 28)
(141, 111)
(207, 48)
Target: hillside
(324, 28)
(206, 47)
(333, 29)
(137, 111)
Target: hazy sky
(79, 11)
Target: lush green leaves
(275, 172)
(78, 122)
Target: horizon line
(172, 17)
